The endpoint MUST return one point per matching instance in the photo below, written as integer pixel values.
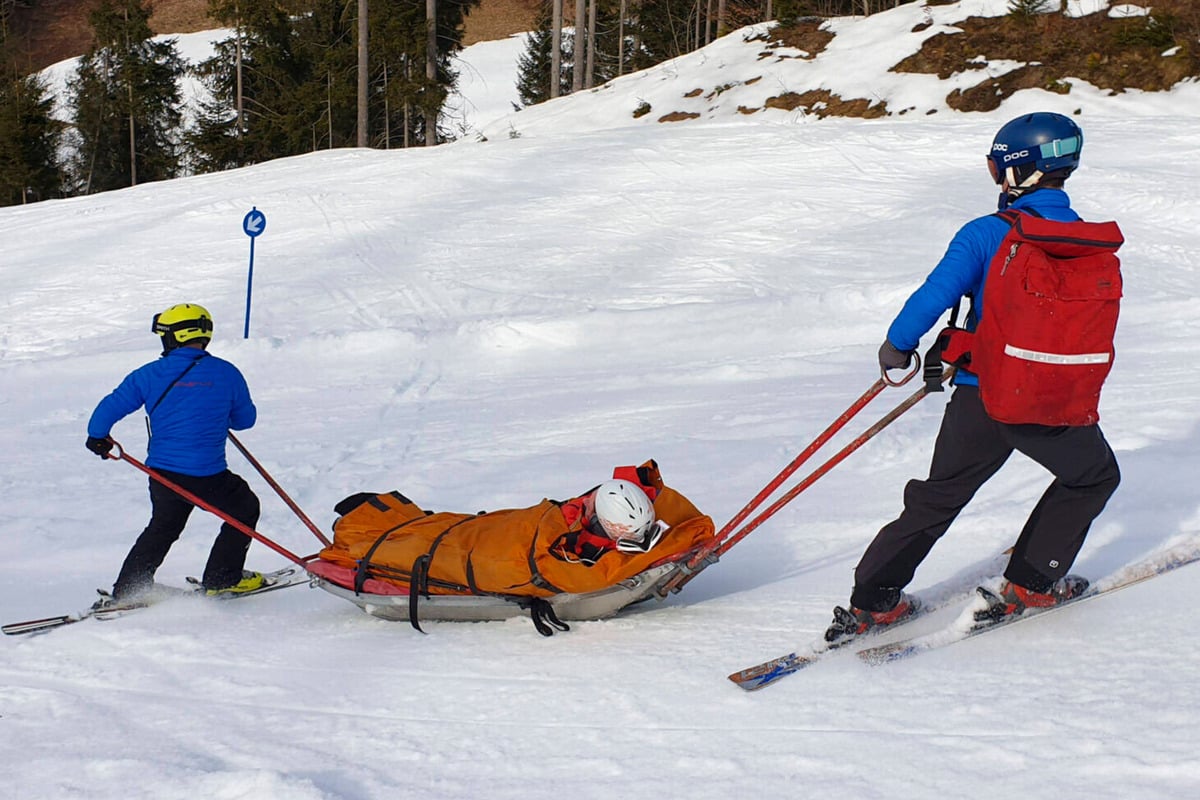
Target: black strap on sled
(535, 577)
(417, 585)
(361, 572)
(544, 618)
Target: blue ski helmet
(1033, 146)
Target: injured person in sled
(387, 544)
(616, 515)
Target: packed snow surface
(484, 324)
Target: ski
(768, 672)
(934, 599)
(279, 579)
(159, 593)
(1131, 576)
(272, 581)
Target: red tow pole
(121, 455)
(711, 552)
(799, 460)
(279, 490)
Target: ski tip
(754, 684)
(39, 625)
(756, 677)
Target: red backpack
(1044, 343)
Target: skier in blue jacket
(1031, 157)
(192, 400)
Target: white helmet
(624, 510)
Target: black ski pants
(970, 448)
(169, 514)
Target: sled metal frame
(600, 604)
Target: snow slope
(539, 310)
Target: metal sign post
(253, 224)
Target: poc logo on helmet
(1003, 148)
(1015, 156)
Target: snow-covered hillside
(542, 309)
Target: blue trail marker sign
(253, 224)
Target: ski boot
(850, 622)
(250, 582)
(1013, 599)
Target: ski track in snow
(486, 324)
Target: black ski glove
(100, 447)
(891, 358)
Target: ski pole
(196, 501)
(279, 490)
(711, 553)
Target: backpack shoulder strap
(1011, 215)
(172, 384)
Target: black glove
(891, 358)
(100, 447)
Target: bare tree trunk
(129, 87)
(722, 24)
(241, 115)
(387, 112)
(708, 15)
(431, 114)
(556, 49)
(579, 47)
(589, 77)
(363, 75)
(621, 41)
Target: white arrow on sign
(254, 223)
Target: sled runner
(391, 602)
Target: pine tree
(126, 101)
(270, 71)
(534, 64)
(29, 135)
(1026, 10)
(664, 30)
(400, 92)
(299, 78)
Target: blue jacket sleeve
(120, 403)
(242, 414)
(960, 272)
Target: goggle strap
(205, 325)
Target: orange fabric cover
(500, 552)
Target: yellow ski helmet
(183, 323)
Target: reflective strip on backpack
(1056, 358)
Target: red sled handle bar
(121, 455)
(711, 552)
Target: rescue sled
(391, 602)
(397, 561)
